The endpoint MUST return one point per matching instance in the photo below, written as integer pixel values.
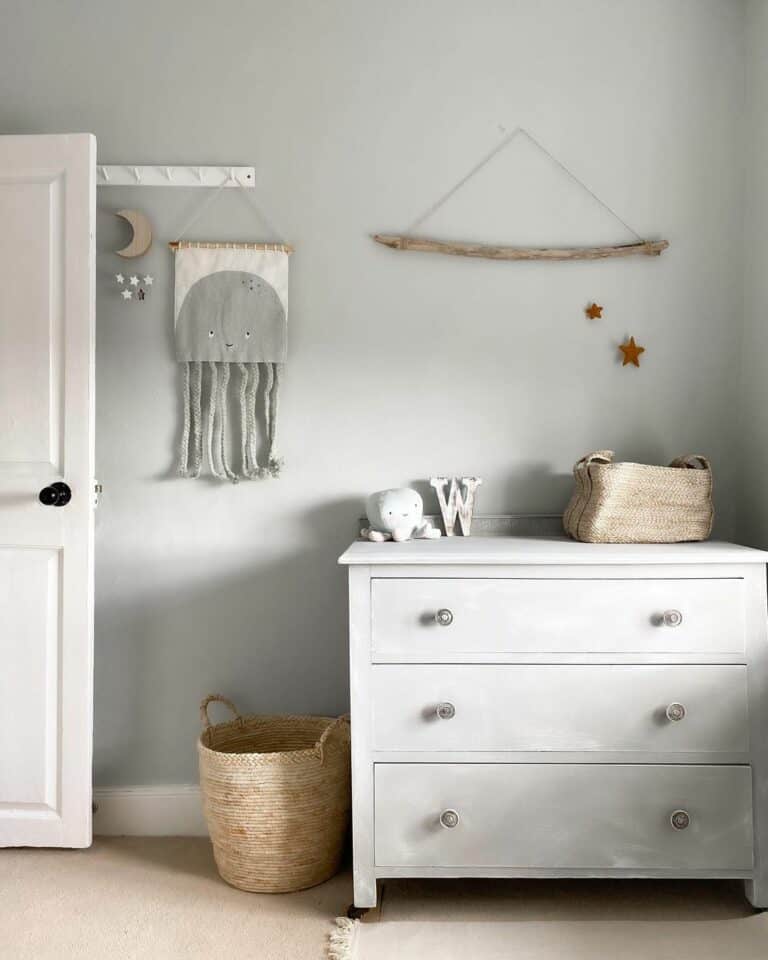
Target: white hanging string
(261, 215)
(244, 191)
(201, 209)
(487, 159)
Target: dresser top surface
(544, 550)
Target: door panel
(32, 308)
(47, 209)
(29, 643)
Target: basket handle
(693, 461)
(598, 456)
(320, 745)
(216, 698)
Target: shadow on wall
(271, 636)
(531, 483)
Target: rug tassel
(342, 939)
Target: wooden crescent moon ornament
(142, 233)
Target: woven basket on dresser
(276, 797)
(638, 503)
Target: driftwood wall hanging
(410, 241)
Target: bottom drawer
(563, 815)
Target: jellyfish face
(389, 510)
(231, 316)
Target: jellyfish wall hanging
(231, 324)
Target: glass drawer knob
(444, 617)
(675, 711)
(449, 819)
(446, 711)
(680, 819)
(672, 618)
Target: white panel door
(47, 217)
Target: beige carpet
(152, 899)
(136, 899)
(562, 920)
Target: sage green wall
(357, 114)
(752, 428)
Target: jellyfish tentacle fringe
(274, 460)
(252, 418)
(191, 449)
(211, 405)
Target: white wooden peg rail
(162, 175)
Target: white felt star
(127, 294)
(134, 281)
(120, 278)
(148, 281)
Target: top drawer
(441, 619)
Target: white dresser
(544, 708)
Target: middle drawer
(550, 707)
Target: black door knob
(57, 495)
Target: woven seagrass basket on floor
(639, 503)
(276, 797)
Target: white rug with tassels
(563, 920)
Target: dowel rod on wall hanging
(163, 175)
(648, 248)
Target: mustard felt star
(594, 311)
(631, 352)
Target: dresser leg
(756, 891)
(370, 914)
(364, 892)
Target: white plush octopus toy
(397, 514)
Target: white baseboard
(171, 810)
